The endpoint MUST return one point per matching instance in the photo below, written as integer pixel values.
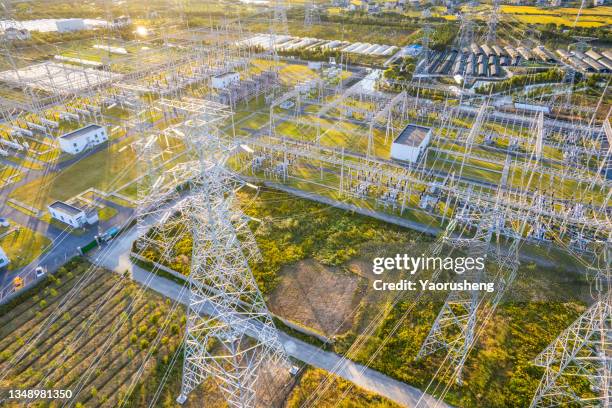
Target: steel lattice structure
(455, 325)
(578, 363)
(311, 14)
(492, 23)
(230, 334)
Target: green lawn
(23, 245)
(105, 170)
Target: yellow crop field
(595, 11)
(589, 17)
(545, 19)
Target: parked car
(40, 271)
(4, 222)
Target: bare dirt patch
(318, 297)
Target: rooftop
(65, 208)
(412, 135)
(75, 134)
(225, 74)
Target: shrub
(144, 344)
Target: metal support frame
(230, 335)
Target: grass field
(335, 398)
(23, 245)
(105, 170)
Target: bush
(144, 344)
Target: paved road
(116, 258)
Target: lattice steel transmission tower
(425, 52)
(466, 31)
(455, 326)
(578, 363)
(279, 18)
(492, 23)
(230, 334)
(155, 185)
(311, 13)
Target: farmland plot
(107, 339)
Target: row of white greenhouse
(287, 43)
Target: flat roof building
(86, 137)
(71, 215)
(410, 143)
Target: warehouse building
(411, 143)
(71, 215)
(83, 138)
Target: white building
(71, 215)
(83, 138)
(224, 81)
(410, 143)
(4, 259)
(70, 24)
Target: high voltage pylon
(279, 17)
(455, 325)
(492, 23)
(311, 14)
(425, 52)
(578, 363)
(466, 31)
(230, 335)
(155, 186)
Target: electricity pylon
(492, 23)
(455, 326)
(230, 335)
(279, 17)
(311, 14)
(425, 51)
(578, 363)
(154, 186)
(466, 31)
